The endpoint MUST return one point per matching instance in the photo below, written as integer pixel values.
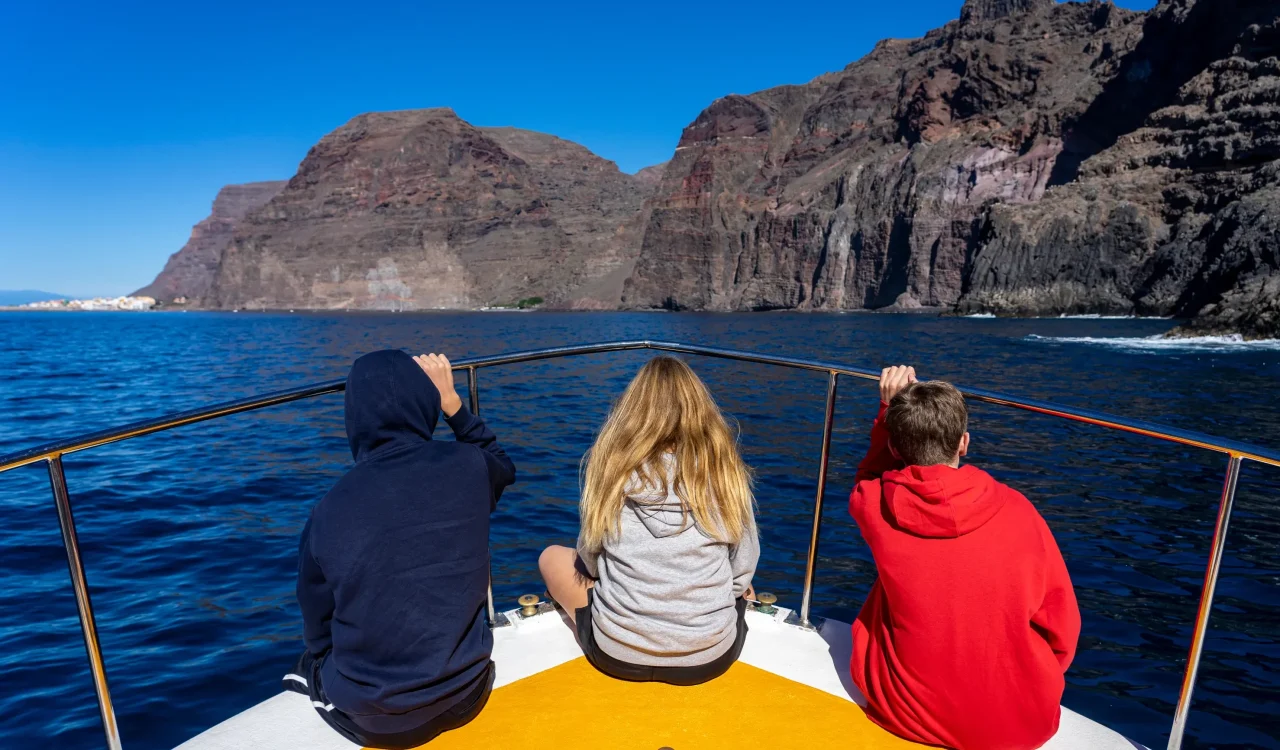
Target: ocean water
(189, 536)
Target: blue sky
(120, 121)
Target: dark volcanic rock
(918, 175)
(1032, 158)
(868, 187)
(419, 209)
(190, 271)
(651, 177)
(987, 10)
(1180, 216)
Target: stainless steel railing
(52, 453)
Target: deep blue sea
(190, 536)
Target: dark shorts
(305, 679)
(694, 675)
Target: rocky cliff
(190, 271)
(419, 209)
(867, 187)
(1030, 158)
(1178, 215)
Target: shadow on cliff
(895, 278)
(1179, 39)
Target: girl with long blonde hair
(668, 541)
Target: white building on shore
(97, 303)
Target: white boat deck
(531, 646)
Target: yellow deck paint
(574, 706)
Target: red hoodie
(965, 636)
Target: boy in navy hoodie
(393, 564)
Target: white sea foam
(1087, 316)
(1160, 343)
(1096, 316)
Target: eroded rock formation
(1177, 216)
(419, 209)
(190, 271)
(868, 187)
(1030, 158)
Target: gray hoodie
(665, 590)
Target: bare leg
(566, 584)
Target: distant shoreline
(940, 312)
(11, 309)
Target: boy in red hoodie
(967, 632)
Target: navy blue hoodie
(393, 565)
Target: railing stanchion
(88, 625)
(474, 388)
(811, 565)
(1219, 545)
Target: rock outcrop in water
(190, 271)
(419, 209)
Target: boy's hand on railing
(893, 380)
(437, 367)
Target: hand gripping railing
(52, 454)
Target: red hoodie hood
(939, 501)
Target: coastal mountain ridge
(419, 209)
(1028, 158)
(190, 271)
(866, 188)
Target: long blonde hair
(666, 409)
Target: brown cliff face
(1177, 216)
(190, 271)
(419, 210)
(868, 187)
(1030, 158)
(917, 176)
(651, 177)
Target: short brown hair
(926, 422)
